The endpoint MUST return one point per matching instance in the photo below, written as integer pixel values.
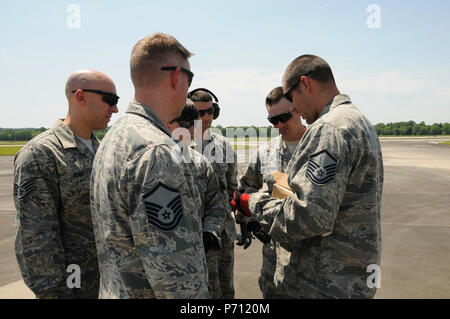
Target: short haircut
(189, 112)
(150, 54)
(201, 96)
(318, 68)
(274, 96)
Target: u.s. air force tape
(321, 167)
(163, 207)
(22, 191)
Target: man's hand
(210, 242)
(240, 201)
(257, 231)
(245, 238)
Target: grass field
(414, 137)
(445, 143)
(241, 147)
(9, 150)
(13, 142)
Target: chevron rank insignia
(163, 207)
(321, 168)
(22, 191)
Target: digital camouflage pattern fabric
(219, 152)
(145, 210)
(212, 210)
(54, 225)
(272, 157)
(212, 206)
(335, 214)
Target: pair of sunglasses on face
(288, 94)
(110, 98)
(283, 118)
(188, 73)
(203, 112)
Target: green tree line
(19, 134)
(398, 128)
(26, 134)
(412, 128)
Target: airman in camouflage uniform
(274, 156)
(145, 205)
(227, 176)
(51, 194)
(336, 175)
(212, 203)
(220, 153)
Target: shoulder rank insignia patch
(22, 191)
(321, 168)
(163, 206)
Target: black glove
(245, 236)
(210, 242)
(257, 231)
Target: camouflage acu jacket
(219, 152)
(53, 225)
(268, 159)
(336, 174)
(212, 206)
(146, 213)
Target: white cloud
(398, 96)
(241, 93)
(387, 96)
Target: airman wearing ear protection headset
(225, 168)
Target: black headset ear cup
(216, 110)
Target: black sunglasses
(209, 111)
(189, 73)
(107, 97)
(283, 118)
(287, 95)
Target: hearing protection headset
(215, 105)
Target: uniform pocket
(181, 274)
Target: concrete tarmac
(415, 260)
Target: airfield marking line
(399, 224)
(11, 239)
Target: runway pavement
(415, 227)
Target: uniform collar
(209, 135)
(335, 102)
(64, 134)
(144, 111)
(284, 149)
(281, 145)
(68, 140)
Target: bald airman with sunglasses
(51, 193)
(270, 158)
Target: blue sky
(397, 72)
